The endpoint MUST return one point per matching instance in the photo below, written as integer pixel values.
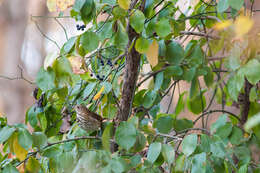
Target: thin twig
(213, 111)
(43, 34)
(21, 77)
(199, 34)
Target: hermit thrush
(86, 119)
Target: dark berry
(83, 26)
(91, 75)
(77, 25)
(98, 76)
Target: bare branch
(21, 77)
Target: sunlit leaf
(76, 63)
(252, 122)
(98, 95)
(59, 5)
(223, 25)
(243, 25)
(19, 151)
(49, 59)
(152, 53)
(124, 4)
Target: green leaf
(86, 9)
(172, 71)
(78, 5)
(174, 53)
(149, 99)
(106, 136)
(189, 144)
(234, 58)
(45, 79)
(5, 133)
(236, 136)
(243, 169)
(89, 41)
(218, 149)
(222, 6)
(89, 89)
(205, 143)
(252, 71)
(180, 163)
(224, 131)
(68, 45)
(209, 77)
(197, 104)
(135, 160)
(158, 81)
(164, 124)
(154, 151)
(39, 139)
(108, 87)
(142, 45)
(163, 27)
(137, 21)
(194, 89)
(49, 59)
(25, 138)
(32, 165)
(168, 153)
(10, 169)
(236, 4)
(253, 95)
(199, 163)
(125, 4)
(232, 87)
(182, 124)
(140, 143)
(252, 122)
(121, 37)
(126, 135)
(221, 121)
(180, 105)
(63, 71)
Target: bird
(86, 119)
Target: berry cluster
(80, 27)
(109, 63)
(100, 78)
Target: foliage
(89, 70)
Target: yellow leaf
(152, 53)
(223, 25)
(243, 24)
(76, 63)
(33, 165)
(125, 4)
(59, 5)
(19, 151)
(98, 95)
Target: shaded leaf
(189, 144)
(126, 135)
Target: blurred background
(25, 33)
(28, 32)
